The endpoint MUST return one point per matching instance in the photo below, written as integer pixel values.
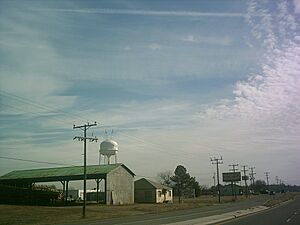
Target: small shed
(147, 191)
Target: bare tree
(165, 178)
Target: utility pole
(214, 177)
(233, 183)
(84, 138)
(217, 161)
(267, 176)
(277, 184)
(245, 179)
(252, 175)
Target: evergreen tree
(182, 180)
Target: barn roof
(60, 173)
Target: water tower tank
(108, 148)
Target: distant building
(147, 191)
(229, 189)
(91, 195)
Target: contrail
(141, 12)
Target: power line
(34, 161)
(162, 148)
(68, 115)
(35, 113)
(40, 105)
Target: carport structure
(118, 179)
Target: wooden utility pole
(252, 175)
(267, 176)
(233, 186)
(217, 161)
(245, 179)
(214, 177)
(84, 138)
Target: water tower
(108, 148)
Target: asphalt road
(182, 215)
(285, 214)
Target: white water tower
(108, 148)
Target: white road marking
(289, 219)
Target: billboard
(245, 178)
(231, 176)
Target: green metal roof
(61, 173)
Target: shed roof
(143, 182)
(60, 173)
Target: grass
(44, 215)
(279, 198)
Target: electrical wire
(40, 105)
(34, 161)
(157, 147)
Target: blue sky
(177, 81)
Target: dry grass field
(24, 215)
(279, 198)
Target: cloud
(137, 94)
(271, 96)
(189, 38)
(263, 117)
(141, 12)
(225, 41)
(260, 20)
(155, 46)
(127, 48)
(297, 6)
(286, 21)
(271, 27)
(31, 84)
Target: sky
(173, 82)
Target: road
(285, 214)
(181, 215)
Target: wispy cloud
(261, 23)
(155, 46)
(270, 96)
(264, 114)
(297, 6)
(189, 38)
(108, 70)
(127, 48)
(141, 12)
(207, 40)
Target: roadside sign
(245, 178)
(231, 176)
